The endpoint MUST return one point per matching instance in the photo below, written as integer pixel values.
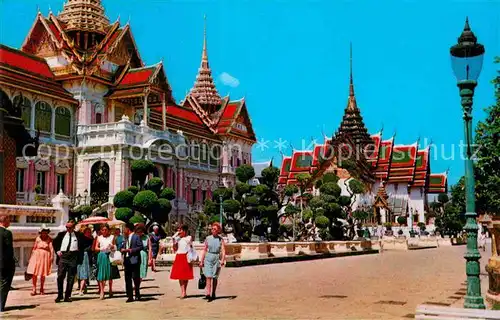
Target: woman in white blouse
(106, 242)
(182, 270)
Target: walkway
(385, 286)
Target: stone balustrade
(26, 222)
(124, 132)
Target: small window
(43, 116)
(203, 195)
(193, 195)
(40, 181)
(61, 183)
(63, 121)
(25, 109)
(20, 180)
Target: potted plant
(388, 229)
(421, 225)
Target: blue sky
(291, 61)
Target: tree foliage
(123, 199)
(487, 166)
(124, 214)
(245, 173)
(140, 169)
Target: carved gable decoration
(42, 165)
(21, 163)
(62, 167)
(46, 46)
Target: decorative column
(111, 117)
(31, 175)
(53, 123)
(69, 182)
(145, 114)
(164, 112)
(473, 299)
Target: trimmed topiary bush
(154, 184)
(133, 189)
(140, 169)
(162, 210)
(231, 206)
(330, 188)
(401, 220)
(145, 201)
(322, 222)
(85, 211)
(245, 173)
(242, 188)
(137, 218)
(307, 214)
(167, 193)
(123, 199)
(124, 214)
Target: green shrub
(137, 218)
(251, 200)
(421, 225)
(231, 206)
(124, 214)
(290, 190)
(216, 218)
(85, 210)
(154, 184)
(330, 188)
(401, 220)
(261, 189)
(330, 177)
(388, 225)
(226, 193)
(140, 169)
(133, 189)
(167, 193)
(307, 214)
(145, 201)
(242, 188)
(123, 199)
(322, 222)
(344, 201)
(161, 211)
(360, 215)
(245, 173)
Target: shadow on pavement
(226, 297)
(23, 307)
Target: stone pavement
(384, 286)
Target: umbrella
(115, 223)
(94, 220)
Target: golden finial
(204, 56)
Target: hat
(43, 227)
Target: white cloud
(229, 80)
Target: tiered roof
(204, 90)
(84, 15)
(376, 159)
(28, 72)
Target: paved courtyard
(385, 286)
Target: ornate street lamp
(467, 61)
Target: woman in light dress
(212, 259)
(182, 270)
(104, 245)
(42, 255)
(140, 230)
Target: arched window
(205, 152)
(63, 121)
(98, 111)
(43, 116)
(25, 109)
(214, 155)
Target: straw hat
(44, 227)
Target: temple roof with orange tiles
(91, 48)
(378, 160)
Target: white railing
(202, 166)
(228, 169)
(123, 132)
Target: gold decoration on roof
(204, 90)
(84, 15)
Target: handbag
(202, 283)
(192, 255)
(116, 258)
(27, 276)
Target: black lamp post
(467, 61)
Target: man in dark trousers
(131, 250)
(68, 246)
(7, 261)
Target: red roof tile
(137, 76)
(25, 62)
(54, 30)
(182, 113)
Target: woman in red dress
(42, 255)
(182, 270)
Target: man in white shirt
(67, 245)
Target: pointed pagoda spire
(204, 90)
(84, 15)
(352, 122)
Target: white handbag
(116, 258)
(192, 255)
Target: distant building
(402, 172)
(258, 167)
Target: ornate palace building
(79, 81)
(398, 177)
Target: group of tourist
(84, 256)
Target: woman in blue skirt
(83, 269)
(140, 230)
(105, 244)
(212, 259)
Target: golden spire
(204, 90)
(351, 85)
(84, 15)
